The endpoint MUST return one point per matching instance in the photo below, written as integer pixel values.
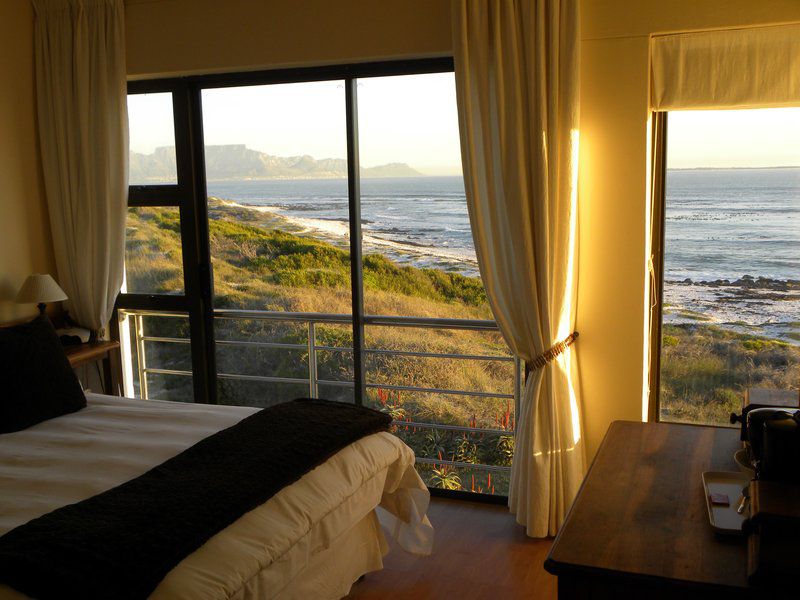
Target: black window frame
(190, 196)
(658, 201)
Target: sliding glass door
(322, 249)
(453, 387)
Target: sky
(413, 119)
(408, 119)
(733, 138)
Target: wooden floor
(479, 552)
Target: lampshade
(39, 289)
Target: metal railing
(312, 347)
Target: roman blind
(756, 67)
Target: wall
(238, 34)
(186, 36)
(614, 79)
(25, 245)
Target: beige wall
(185, 36)
(24, 229)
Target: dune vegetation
(706, 369)
(264, 262)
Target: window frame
(194, 235)
(658, 147)
(191, 198)
(658, 202)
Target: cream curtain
(756, 67)
(83, 132)
(517, 83)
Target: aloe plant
(445, 477)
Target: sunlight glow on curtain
(83, 131)
(755, 67)
(517, 83)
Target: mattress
(261, 555)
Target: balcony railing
(138, 367)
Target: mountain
(236, 161)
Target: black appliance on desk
(773, 436)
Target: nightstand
(91, 352)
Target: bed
(313, 539)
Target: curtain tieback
(552, 352)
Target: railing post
(140, 358)
(126, 351)
(312, 360)
(517, 388)
(356, 263)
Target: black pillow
(36, 380)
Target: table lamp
(40, 289)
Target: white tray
(725, 519)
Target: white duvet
(113, 440)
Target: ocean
(732, 250)
(732, 236)
(726, 223)
(420, 221)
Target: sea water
(421, 221)
(726, 223)
(732, 236)
(732, 249)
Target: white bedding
(113, 440)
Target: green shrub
(669, 340)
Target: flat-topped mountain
(236, 161)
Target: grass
(706, 369)
(290, 261)
(261, 264)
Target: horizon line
(732, 168)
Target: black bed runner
(121, 543)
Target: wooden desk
(91, 352)
(639, 525)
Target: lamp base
(41, 306)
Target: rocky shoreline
(759, 306)
(749, 287)
(746, 281)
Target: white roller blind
(756, 67)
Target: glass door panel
(450, 391)
(153, 251)
(276, 169)
(152, 140)
(419, 258)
